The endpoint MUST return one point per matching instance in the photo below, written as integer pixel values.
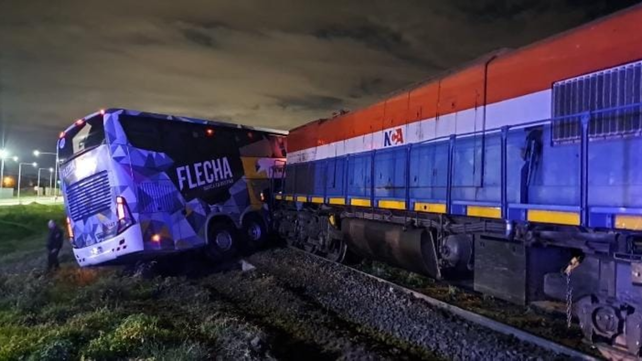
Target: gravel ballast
(292, 286)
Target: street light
(38, 183)
(4, 154)
(37, 153)
(34, 164)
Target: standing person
(54, 244)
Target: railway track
(306, 304)
(469, 316)
(366, 307)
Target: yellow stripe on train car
(360, 202)
(430, 207)
(316, 199)
(392, 204)
(484, 212)
(289, 198)
(625, 221)
(554, 217)
(339, 201)
(301, 199)
(278, 197)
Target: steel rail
(472, 317)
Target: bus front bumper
(128, 242)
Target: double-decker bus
(139, 185)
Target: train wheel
(310, 246)
(222, 241)
(337, 250)
(300, 235)
(292, 241)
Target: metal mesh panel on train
(89, 196)
(612, 88)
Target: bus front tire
(222, 241)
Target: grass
(20, 224)
(100, 313)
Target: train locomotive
(521, 171)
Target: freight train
(521, 171)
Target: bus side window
(143, 133)
(201, 140)
(178, 141)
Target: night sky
(273, 63)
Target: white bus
(138, 185)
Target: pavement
(32, 199)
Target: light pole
(37, 153)
(3, 155)
(34, 164)
(51, 178)
(38, 183)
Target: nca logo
(393, 137)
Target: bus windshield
(89, 134)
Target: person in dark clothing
(54, 244)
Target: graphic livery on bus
(138, 185)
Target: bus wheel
(221, 243)
(255, 232)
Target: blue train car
(521, 171)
